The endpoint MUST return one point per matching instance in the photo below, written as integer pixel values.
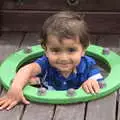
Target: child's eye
(55, 50)
(71, 49)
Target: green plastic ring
(9, 67)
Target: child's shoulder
(42, 58)
(89, 60)
(85, 63)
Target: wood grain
(9, 42)
(32, 21)
(84, 5)
(102, 109)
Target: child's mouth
(64, 65)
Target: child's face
(65, 55)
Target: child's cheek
(52, 59)
(76, 60)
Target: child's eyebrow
(71, 48)
(55, 48)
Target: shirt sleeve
(43, 63)
(93, 70)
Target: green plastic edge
(9, 66)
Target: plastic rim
(9, 67)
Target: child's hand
(91, 86)
(12, 98)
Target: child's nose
(64, 56)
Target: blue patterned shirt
(52, 79)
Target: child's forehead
(54, 39)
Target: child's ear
(44, 47)
(83, 53)
(45, 50)
(46, 54)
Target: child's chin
(64, 69)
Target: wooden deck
(107, 108)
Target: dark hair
(65, 24)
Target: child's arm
(91, 85)
(15, 94)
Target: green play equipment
(9, 67)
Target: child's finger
(25, 101)
(5, 104)
(96, 87)
(91, 89)
(2, 101)
(85, 88)
(11, 105)
(2, 98)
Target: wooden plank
(36, 111)
(84, 5)
(102, 109)
(31, 39)
(13, 114)
(105, 109)
(70, 112)
(1, 4)
(102, 22)
(118, 106)
(9, 42)
(111, 41)
(93, 38)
